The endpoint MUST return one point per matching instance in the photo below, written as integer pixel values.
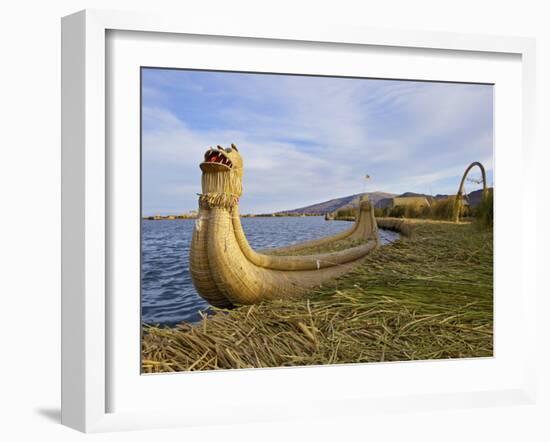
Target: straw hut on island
(410, 201)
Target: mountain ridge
(335, 204)
(378, 198)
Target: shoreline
(417, 298)
(246, 215)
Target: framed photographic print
(250, 216)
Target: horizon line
(165, 214)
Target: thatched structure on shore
(410, 201)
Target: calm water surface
(168, 294)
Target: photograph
(307, 220)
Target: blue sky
(309, 139)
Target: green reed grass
(484, 212)
(440, 209)
(427, 297)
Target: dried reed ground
(426, 297)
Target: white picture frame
(86, 207)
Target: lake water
(168, 294)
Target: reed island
(338, 299)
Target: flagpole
(367, 177)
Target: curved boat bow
(226, 271)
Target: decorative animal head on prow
(222, 174)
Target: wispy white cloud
(308, 139)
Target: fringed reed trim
(218, 200)
(222, 182)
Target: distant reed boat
(226, 271)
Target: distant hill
(474, 198)
(337, 203)
(379, 199)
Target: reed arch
(460, 193)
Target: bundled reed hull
(226, 271)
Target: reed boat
(226, 271)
